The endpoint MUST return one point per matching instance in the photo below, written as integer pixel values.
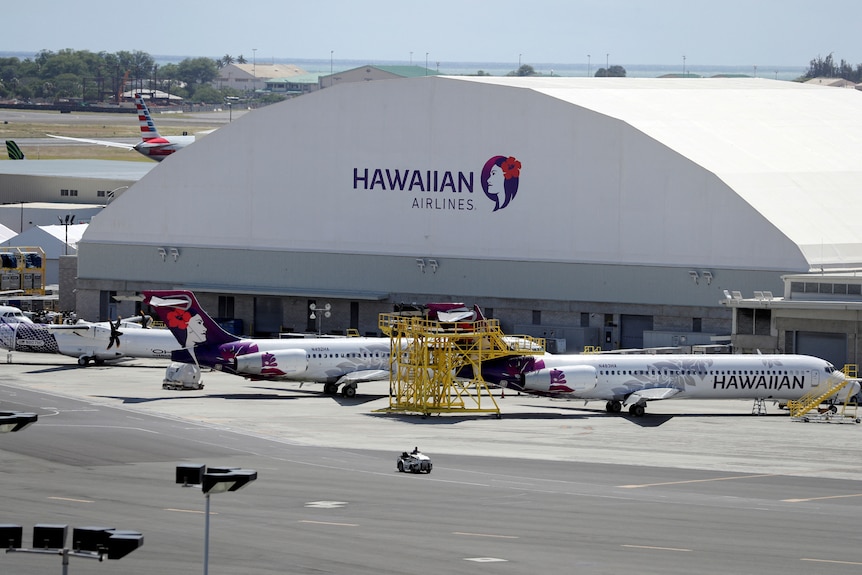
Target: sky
(619, 32)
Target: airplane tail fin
(13, 150)
(183, 315)
(148, 127)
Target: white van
(10, 314)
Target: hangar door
(632, 328)
(829, 346)
(267, 316)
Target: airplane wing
(364, 375)
(652, 394)
(79, 327)
(99, 142)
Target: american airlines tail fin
(148, 127)
(13, 150)
(183, 315)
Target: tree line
(826, 67)
(103, 76)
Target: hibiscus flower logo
(500, 178)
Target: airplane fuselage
(87, 341)
(323, 360)
(160, 148)
(617, 377)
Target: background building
(620, 211)
(251, 77)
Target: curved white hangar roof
(741, 173)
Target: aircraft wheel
(613, 406)
(328, 389)
(83, 361)
(833, 408)
(637, 410)
(348, 391)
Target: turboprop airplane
(633, 380)
(152, 144)
(332, 361)
(12, 314)
(96, 342)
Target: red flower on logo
(179, 318)
(511, 168)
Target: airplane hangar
(68, 181)
(611, 212)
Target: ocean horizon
(577, 69)
(583, 69)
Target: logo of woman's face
(495, 182)
(500, 177)
(196, 330)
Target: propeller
(115, 333)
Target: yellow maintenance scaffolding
(808, 407)
(429, 363)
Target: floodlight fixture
(16, 420)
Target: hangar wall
(367, 169)
(337, 195)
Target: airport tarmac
(712, 435)
(695, 487)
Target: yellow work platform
(435, 367)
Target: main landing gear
(348, 391)
(635, 409)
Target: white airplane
(96, 342)
(332, 361)
(152, 145)
(633, 380)
(12, 314)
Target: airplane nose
(838, 375)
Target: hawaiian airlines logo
(440, 190)
(269, 365)
(500, 177)
(558, 382)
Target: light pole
(87, 542)
(426, 63)
(110, 195)
(683, 65)
(588, 65)
(411, 57)
(319, 313)
(11, 421)
(331, 54)
(213, 480)
(69, 221)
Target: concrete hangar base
(596, 211)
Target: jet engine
(561, 380)
(272, 363)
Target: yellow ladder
(809, 401)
